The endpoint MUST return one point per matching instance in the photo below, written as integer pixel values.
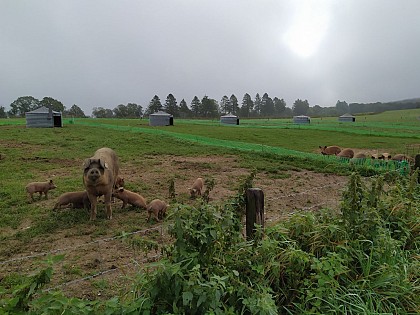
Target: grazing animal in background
(197, 187)
(360, 156)
(77, 199)
(40, 187)
(331, 150)
(402, 157)
(346, 153)
(129, 197)
(99, 176)
(158, 208)
(386, 156)
(377, 156)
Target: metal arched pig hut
(229, 119)
(347, 118)
(43, 117)
(161, 119)
(301, 119)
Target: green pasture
(29, 154)
(369, 132)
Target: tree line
(258, 107)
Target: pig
(358, 158)
(40, 187)
(331, 150)
(402, 157)
(99, 177)
(196, 188)
(377, 156)
(360, 155)
(346, 153)
(119, 182)
(78, 199)
(129, 197)
(158, 208)
(386, 156)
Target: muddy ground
(98, 263)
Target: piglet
(158, 208)
(78, 199)
(129, 197)
(196, 188)
(40, 187)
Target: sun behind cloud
(308, 28)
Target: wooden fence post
(254, 210)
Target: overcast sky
(108, 52)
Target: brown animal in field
(129, 197)
(386, 156)
(360, 155)
(402, 157)
(331, 150)
(119, 182)
(158, 208)
(99, 176)
(380, 156)
(40, 187)
(77, 199)
(197, 187)
(346, 153)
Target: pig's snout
(94, 174)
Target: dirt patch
(98, 262)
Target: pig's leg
(156, 213)
(93, 201)
(107, 198)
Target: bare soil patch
(99, 264)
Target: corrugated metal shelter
(301, 119)
(43, 117)
(229, 119)
(347, 118)
(161, 119)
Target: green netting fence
(371, 128)
(378, 165)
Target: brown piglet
(346, 153)
(77, 199)
(40, 187)
(158, 208)
(196, 188)
(331, 150)
(129, 197)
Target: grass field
(152, 156)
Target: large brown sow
(99, 177)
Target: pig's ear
(51, 181)
(121, 189)
(103, 164)
(86, 164)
